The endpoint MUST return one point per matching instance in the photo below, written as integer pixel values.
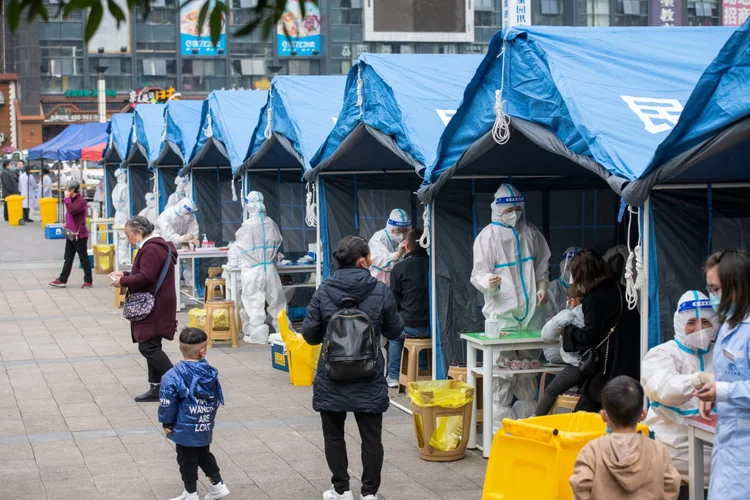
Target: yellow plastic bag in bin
(442, 393)
(197, 319)
(303, 357)
(447, 435)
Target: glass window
(484, 18)
(157, 72)
(631, 13)
(550, 7)
(703, 13)
(598, 12)
(119, 74)
(351, 16)
(484, 5)
(246, 72)
(303, 67)
(61, 67)
(340, 33)
(548, 12)
(203, 75)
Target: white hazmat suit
(150, 212)
(516, 252)
(179, 225)
(121, 204)
(259, 240)
(182, 190)
(384, 245)
(672, 371)
(557, 298)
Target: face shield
(508, 206)
(694, 313)
(150, 200)
(186, 208)
(254, 204)
(567, 256)
(398, 225)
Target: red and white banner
(735, 12)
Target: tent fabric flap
(119, 138)
(68, 144)
(93, 153)
(148, 125)
(182, 123)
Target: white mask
(510, 218)
(700, 339)
(397, 237)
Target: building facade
(165, 53)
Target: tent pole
(718, 185)
(319, 246)
(433, 291)
(646, 248)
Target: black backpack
(350, 348)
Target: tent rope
(634, 264)
(311, 207)
(209, 130)
(234, 191)
(360, 84)
(269, 114)
(424, 241)
(501, 128)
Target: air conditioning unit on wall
(2, 137)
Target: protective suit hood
(150, 200)
(506, 196)
(694, 304)
(254, 204)
(567, 256)
(121, 175)
(185, 207)
(397, 220)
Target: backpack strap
(164, 271)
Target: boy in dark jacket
(189, 397)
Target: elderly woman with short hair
(76, 209)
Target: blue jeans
(395, 347)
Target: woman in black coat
(604, 307)
(368, 398)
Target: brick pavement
(69, 428)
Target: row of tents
(584, 121)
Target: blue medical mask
(715, 301)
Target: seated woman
(570, 376)
(673, 371)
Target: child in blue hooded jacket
(189, 397)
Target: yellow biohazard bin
(302, 357)
(104, 256)
(15, 208)
(48, 210)
(534, 458)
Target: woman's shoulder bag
(139, 305)
(590, 360)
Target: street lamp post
(102, 93)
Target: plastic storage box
(534, 458)
(279, 359)
(54, 231)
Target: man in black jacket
(410, 287)
(10, 185)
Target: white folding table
(700, 433)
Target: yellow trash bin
(15, 208)
(303, 357)
(104, 256)
(48, 210)
(534, 458)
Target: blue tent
(298, 123)
(69, 141)
(182, 121)
(395, 105)
(148, 129)
(228, 118)
(604, 99)
(119, 131)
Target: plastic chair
(459, 373)
(211, 286)
(410, 371)
(223, 333)
(214, 272)
(120, 294)
(566, 401)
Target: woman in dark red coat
(153, 252)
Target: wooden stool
(459, 373)
(211, 286)
(223, 333)
(214, 272)
(410, 371)
(566, 401)
(120, 294)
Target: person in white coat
(388, 246)
(121, 204)
(671, 372)
(150, 212)
(181, 191)
(258, 241)
(557, 295)
(511, 270)
(27, 186)
(45, 187)
(179, 226)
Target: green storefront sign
(88, 93)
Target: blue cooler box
(54, 231)
(278, 356)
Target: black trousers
(26, 215)
(189, 459)
(80, 247)
(5, 211)
(370, 430)
(568, 378)
(156, 359)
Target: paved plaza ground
(69, 428)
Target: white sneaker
(392, 383)
(188, 496)
(371, 497)
(218, 490)
(332, 495)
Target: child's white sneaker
(188, 496)
(218, 490)
(371, 497)
(332, 495)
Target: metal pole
(102, 94)
(646, 247)
(718, 185)
(433, 290)
(319, 256)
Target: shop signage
(667, 12)
(735, 12)
(297, 34)
(66, 115)
(191, 40)
(89, 93)
(152, 96)
(516, 13)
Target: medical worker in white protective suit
(259, 240)
(179, 225)
(150, 211)
(121, 204)
(387, 246)
(181, 191)
(557, 298)
(511, 269)
(673, 371)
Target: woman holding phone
(728, 278)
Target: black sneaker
(151, 395)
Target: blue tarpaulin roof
(183, 122)
(404, 102)
(119, 130)
(148, 125)
(304, 110)
(228, 118)
(606, 98)
(67, 145)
